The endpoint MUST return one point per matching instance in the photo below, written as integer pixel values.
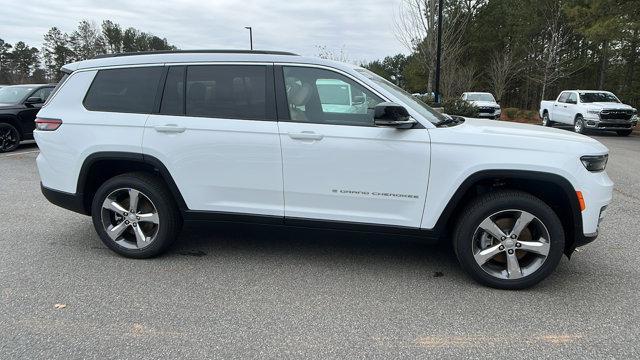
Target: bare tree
(329, 54)
(501, 71)
(415, 26)
(553, 58)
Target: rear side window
(563, 97)
(227, 91)
(130, 90)
(173, 94)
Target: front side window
(573, 99)
(326, 97)
(43, 93)
(128, 90)
(227, 91)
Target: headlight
(595, 163)
(597, 112)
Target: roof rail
(265, 52)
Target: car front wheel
(135, 215)
(578, 125)
(509, 240)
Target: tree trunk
(603, 64)
(631, 61)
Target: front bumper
(598, 124)
(493, 114)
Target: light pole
(250, 36)
(438, 55)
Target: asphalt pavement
(241, 292)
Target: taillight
(48, 124)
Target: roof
(588, 91)
(194, 56)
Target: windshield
(480, 97)
(596, 97)
(14, 94)
(420, 107)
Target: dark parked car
(19, 105)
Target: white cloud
(364, 28)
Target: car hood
(608, 106)
(483, 103)
(527, 136)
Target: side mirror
(388, 114)
(34, 100)
(358, 100)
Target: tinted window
(572, 98)
(323, 96)
(227, 91)
(131, 90)
(43, 93)
(563, 97)
(598, 97)
(173, 95)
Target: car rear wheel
(578, 125)
(509, 240)
(135, 215)
(545, 120)
(9, 138)
(624, 132)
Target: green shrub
(428, 99)
(510, 113)
(459, 107)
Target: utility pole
(250, 36)
(439, 55)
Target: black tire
(545, 120)
(9, 137)
(169, 220)
(484, 206)
(624, 132)
(578, 125)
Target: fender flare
(149, 160)
(475, 178)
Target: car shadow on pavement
(341, 249)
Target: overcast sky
(363, 27)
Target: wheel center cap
(509, 243)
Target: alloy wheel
(578, 126)
(511, 244)
(130, 218)
(9, 139)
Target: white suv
(144, 142)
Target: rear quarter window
(128, 90)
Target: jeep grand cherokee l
(142, 143)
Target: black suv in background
(19, 105)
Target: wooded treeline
(21, 63)
(520, 50)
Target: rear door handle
(306, 135)
(169, 128)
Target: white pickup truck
(589, 109)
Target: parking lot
(246, 292)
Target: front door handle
(169, 128)
(306, 135)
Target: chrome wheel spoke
(540, 247)
(114, 206)
(134, 196)
(487, 254)
(150, 217)
(513, 266)
(492, 229)
(523, 221)
(141, 238)
(115, 232)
